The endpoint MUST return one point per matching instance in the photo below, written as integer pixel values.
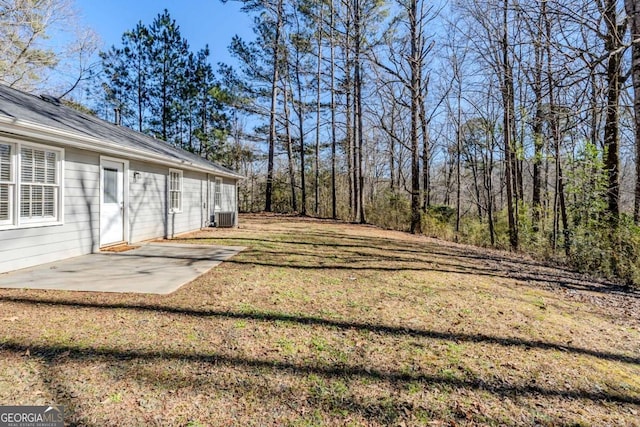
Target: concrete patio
(154, 268)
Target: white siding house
(71, 184)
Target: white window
(30, 184)
(175, 190)
(7, 183)
(39, 184)
(217, 196)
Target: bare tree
(279, 15)
(332, 85)
(27, 58)
(613, 41)
(633, 13)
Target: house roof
(44, 116)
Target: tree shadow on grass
(374, 262)
(60, 391)
(334, 371)
(339, 396)
(469, 260)
(332, 323)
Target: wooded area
(493, 122)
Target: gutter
(45, 133)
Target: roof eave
(35, 131)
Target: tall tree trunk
(488, 185)
(593, 101)
(140, 91)
(633, 13)
(560, 207)
(508, 117)
(272, 112)
(349, 132)
(358, 140)
(613, 47)
(449, 166)
(165, 84)
(458, 143)
(334, 205)
(416, 222)
(292, 170)
(318, 93)
(392, 164)
(426, 158)
(300, 111)
(538, 138)
(556, 137)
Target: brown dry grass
(322, 323)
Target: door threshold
(108, 245)
(118, 247)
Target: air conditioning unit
(225, 219)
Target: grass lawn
(323, 323)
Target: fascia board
(45, 133)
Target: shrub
(390, 210)
(438, 222)
(608, 251)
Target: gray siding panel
(79, 233)
(228, 196)
(147, 201)
(191, 218)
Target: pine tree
(162, 88)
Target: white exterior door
(111, 202)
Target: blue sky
(201, 21)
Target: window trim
(12, 185)
(217, 194)
(16, 221)
(170, 208)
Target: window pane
(4, 202)
(110, 185)
(218, 194)
(26, 164)
(39, 165)
(174, 201)
(25, 201)
(36, 200)
(49, 202)
(51, 159)
(5, 162)
(174, 181)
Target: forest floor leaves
(325, 323)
